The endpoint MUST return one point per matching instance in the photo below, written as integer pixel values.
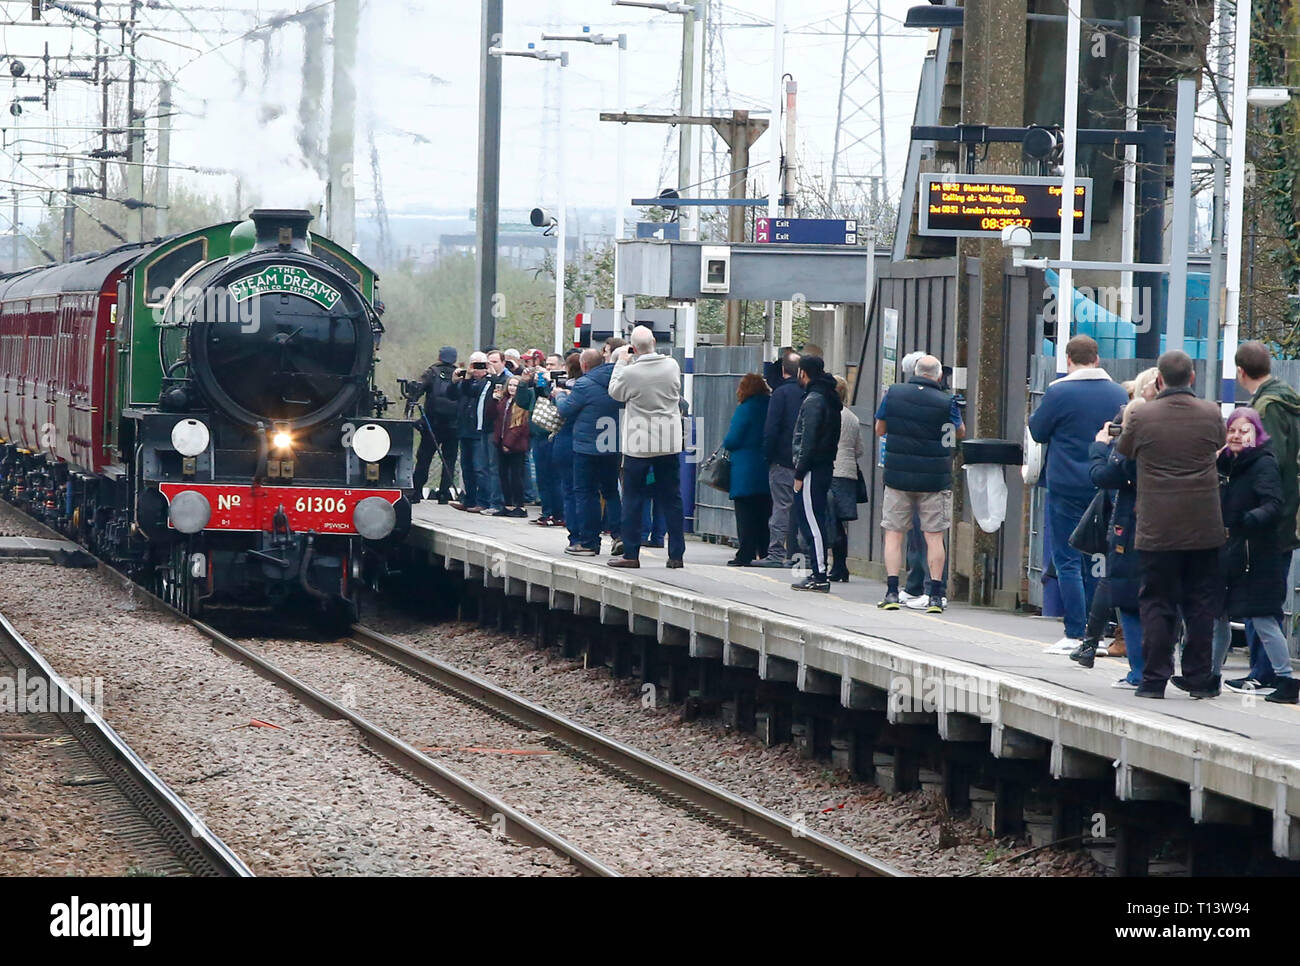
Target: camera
(1115, 429)
(478, 365)
(411, 388)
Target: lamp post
(620, 169)
(688, 157)
(560, 226)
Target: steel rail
(513, 823)
(808, 845)
(180, 827)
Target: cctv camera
(1017, 236)
(541, 218)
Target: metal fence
(718, 371)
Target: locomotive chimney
(281, 229)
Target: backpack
(441, 406)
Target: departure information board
(979, 206)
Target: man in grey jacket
(649, 386)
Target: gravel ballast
(289, 791)
(626, 828)
(911, 832)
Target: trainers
(1064, 646)
(1242, 685)
(814, 582)
(919, 602)
(890, 602)
(617, 548)
(1085, 653)
(839, 576)
(1287, 691)
(580, 551)
(1206, 687)
(1125, 684)
(936, 604)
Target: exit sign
(806, 231)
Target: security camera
(1268, 96)
(541, 218)
(1017, 238)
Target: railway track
(163, 815)
(730, 813)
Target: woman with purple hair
(1253, 570)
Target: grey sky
(417, 81)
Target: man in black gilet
(921, 424)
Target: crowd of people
(598, 435)
(1199, 516)
(1165, 522)
(593, 437)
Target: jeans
(594, 476)
(918, 561)
(653, 524)
(780, 482)
(811, 516)
(490, 495)
(475, 469)
(548, 482)
(1272, 642)
(1131, 621)
(667, 492)
(562, 464)
(1073, 569)
(531, 483)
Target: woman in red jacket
(512, 438)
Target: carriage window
(162, 274)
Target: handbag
(862, 495)
(1090, 535)
(716, 471)
(547, 415)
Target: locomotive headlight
(374, 518)
(189, 511)
(371, 443)
(190, 437)
(281, 441)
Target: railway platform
(979, 677)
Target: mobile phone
(1114, 429)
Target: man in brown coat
(1175, 439)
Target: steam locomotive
(201, 412)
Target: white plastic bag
(986, 485)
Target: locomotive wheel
(176, 584)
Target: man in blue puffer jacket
(595, 418)
(1073, 410)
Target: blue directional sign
(806, 231)
(667, 230)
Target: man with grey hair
(921, 425)
(648, 384)
(913, 594)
